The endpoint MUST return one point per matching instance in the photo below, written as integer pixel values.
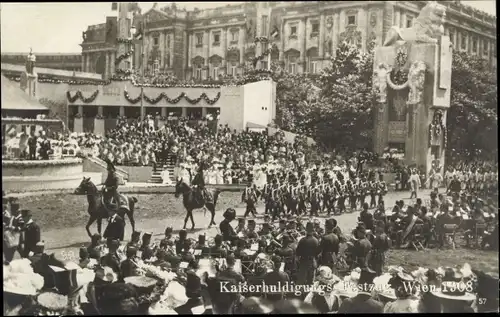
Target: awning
(13, 98)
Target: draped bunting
(80, 96)
(182, 95)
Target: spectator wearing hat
(216, 249)
(366, 217)
(329, 246)
(250, 232)
(95, 249)
(241, 225)
(453, 298)
(228, 278)
(168, 235)
(227, 231)
(277, 279)
(115, 229)
(31, 233)
(362, 248)
(180, 243)
(404, 291)
(129, 266)
(307, 251)
(146, 248)
(362, 303)
(135, 239)
(112, 259)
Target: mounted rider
(111, 185)
(201, 193)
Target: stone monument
(412, 80)
(29, 78)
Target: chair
(449, 231)
(479, 230)
(417, 237)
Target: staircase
(169, 164)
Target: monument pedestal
(29, 83)
(412, 114)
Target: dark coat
(115, 229)
(227, 231)
(31, 237)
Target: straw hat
(453, 287)
(52, 301)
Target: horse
(97, 210)
(191, 202)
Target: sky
(57, 27)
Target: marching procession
(181, 275)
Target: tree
(343, 116)
(472, 118)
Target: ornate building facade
(300, 35)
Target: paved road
(69, 240)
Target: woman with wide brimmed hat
(455, 293)
(326, 300)
(403, 300)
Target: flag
(114, 6)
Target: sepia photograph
(288, 157)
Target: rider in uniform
(199, 183)
(111, 183)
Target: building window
(198, 72)
(485, 47)
(263, 64)
(264, 25)
(351, 20)
(315, 27)
(199, 39)
(215, 73)
(292, 67)
(313, 67)
(452, 38)
(156, 40)
(409, 21)
(234, 36)
(474, 44)
(463, 44)
(216, 38)
(293, 30)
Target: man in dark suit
(329, 245)
(277, 278)
(31, 233)
(116, 228)
(307, 251)
(362, 303)
(362, 248)
(228, 279)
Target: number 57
(481, 301)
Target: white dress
(165, 177)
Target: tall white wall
(259, 102)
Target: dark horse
(97, 210)
(191, 201)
